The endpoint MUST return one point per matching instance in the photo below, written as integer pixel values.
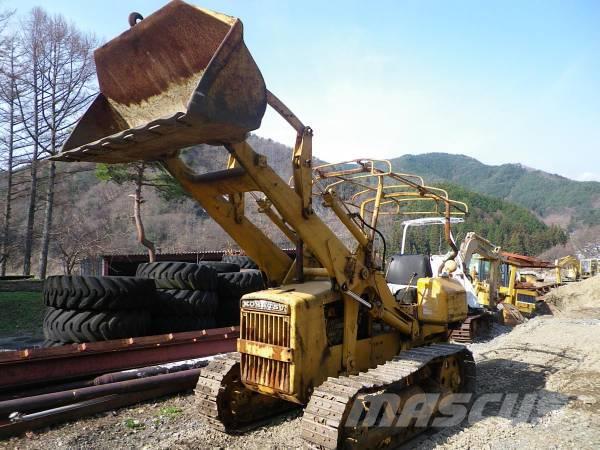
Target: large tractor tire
(179, 324)
(243, 261)
(228, 312)
(192, 303)
(236, 284)
(221, 266)
(88, 293)
(63, 325)
(179, 275)
(48, 344)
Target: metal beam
(37, 366)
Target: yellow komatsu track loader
(328, 333)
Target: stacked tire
(231, 286)
(89, 309)
(163, 297)
(186, 295)
(242, 261)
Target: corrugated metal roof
(175, 253)
(189, 252)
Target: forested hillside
(510, 226)
(95, 216)
(557, 199)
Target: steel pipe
(185, 379)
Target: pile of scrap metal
(41, 387)
(524, 290)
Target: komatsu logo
(265, 305)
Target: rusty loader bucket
(180, 77)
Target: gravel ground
(557, 358)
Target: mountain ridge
(97, 215)
(544, 193)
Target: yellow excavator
(479, 272)
(568, 268)
(328, 333)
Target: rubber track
(236, 284)
(326, 411)
(241, 260)
(182, 302)
(179, 275)
(465, 334)
(88, 293)
(90, 326)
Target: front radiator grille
(266, 372)
(273, 329)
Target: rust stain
(169, 46)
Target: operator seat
(400, 272)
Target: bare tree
(67, 75)
(7, 136)
(53, 88)
(10, 122)
(28, 97)
(77, 236)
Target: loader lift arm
(353, 278)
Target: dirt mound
(580, 295)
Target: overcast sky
(504, 81)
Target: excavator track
(473, 327)
(227, 404)
(419, 370)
